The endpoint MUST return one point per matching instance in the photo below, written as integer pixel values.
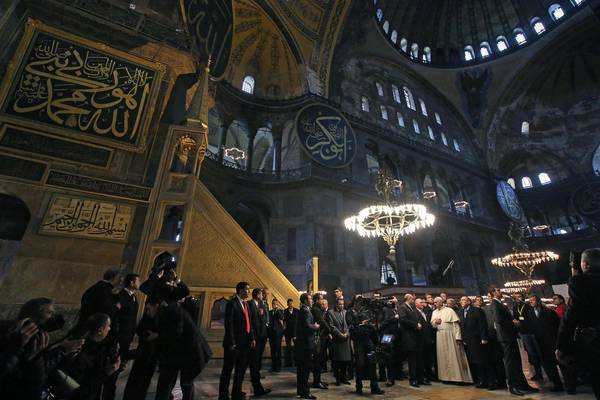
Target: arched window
(438, 119)
(248, 84)
(511, 182)
(469, 53)
(384, 113)
(444, 139)
(456, 144)
(501, 43)
(526, 182)
(379, 14)
(525, 128)
(386, 26)
(387, 274)
(576, 2)
(364, 104)
(430, 131)
(538, 26)
(416, 126)
(414, 51)
(400, 119)
(556, 12)
(394, 36)
(485, 50)
(520, 37)
(396, 94)
(404, 45)
(408, 97)
(426, 55)
(423, 107)
(544, 178)
(379, 88)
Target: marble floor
(283, 386)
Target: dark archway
(14, 219)
(254, 220)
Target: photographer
(389, 327)
(164, 284)
(365, 337)
(578, 340)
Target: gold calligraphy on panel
(87, 218)
(327, 137)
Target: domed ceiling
(447, 27)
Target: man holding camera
(579, 332)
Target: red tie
(247, 317)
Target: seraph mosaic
(65, 84)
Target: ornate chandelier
(521, 286)
(389, 221)
(522, 259)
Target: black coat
(412, 338)
(305, 330)
(235, 325)
(257, 321)
(163, 290)
(545, 328)
(126, 317)
(276, 326)
(319, 315)
(290, 322)
(98, 298)
(525, 311)
(583, 312)
(428, 332)
(389, 323)
(502, 320)
(88, 368)
(474, 330)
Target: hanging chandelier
(521, 258)
(521, 286)
(389, 220)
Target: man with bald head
(412, 340)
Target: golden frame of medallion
(43, 157)
(75, 195)
(32, 27)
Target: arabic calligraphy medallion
(326, 136)
(509, 202)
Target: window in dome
(538, 26)
(414, 51)
(485, 50)
(423, 107)
(400, 119)
(394, 36)
(511, 182)
(379, 88)
(444, 139)
(416, 126)
(386, 26)
(379, 14)
(456, 144)
(426, 55)
(364, 104)
(576, 2)
(525, 128)
(384, 113)
(408, 97)
(544, 178)
(520, 36)
(469, 53)
(556, 12)
(526, 182)
(501, 43)
(430, 131)
(403, 45)
(396, 94)
(248, 84)
(438, 119)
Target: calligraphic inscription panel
(326, 135)
(211, 25)
(80, 90)
(509, 202)
(87, 218)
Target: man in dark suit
(582, 317)
(429, 359)
(99, 298)
(237, 342)
(496, 373)
(260, 329)
(505, 327)
(289, 319)
(412, 340)
(524, 314)
(389, 326)
(474, 334)
(324, 332)
(266, 319)
(275, 335)
(306, 327)
(127, 314)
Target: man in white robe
(451, 356)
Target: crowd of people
(474, 341)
